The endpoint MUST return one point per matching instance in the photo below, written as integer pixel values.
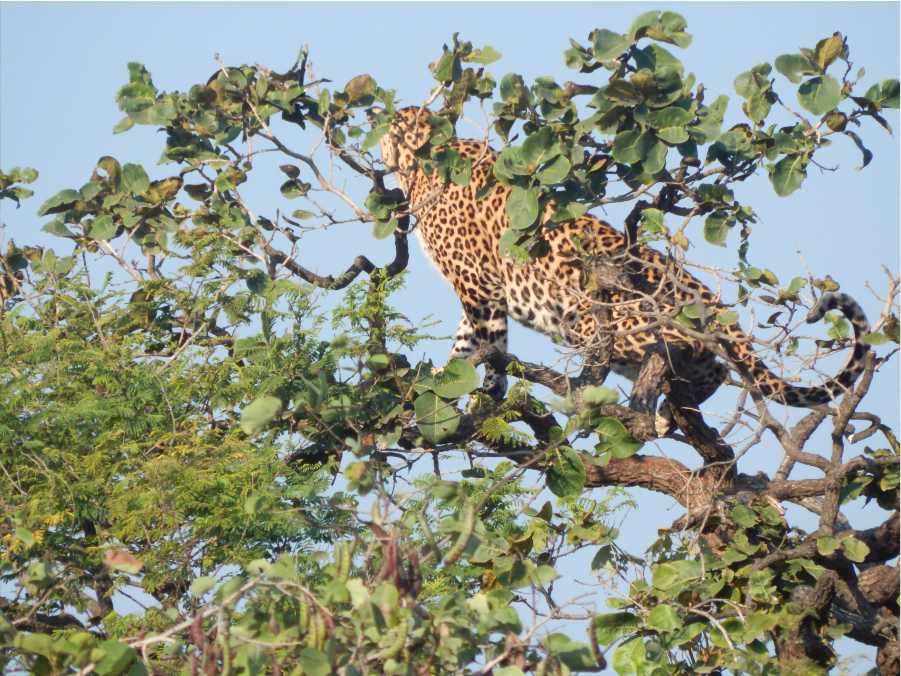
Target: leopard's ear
(411, 125)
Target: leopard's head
(408, 132)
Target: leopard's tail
(774, 387)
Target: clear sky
(61, 64)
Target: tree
(182, 426)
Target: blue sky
(61, 64)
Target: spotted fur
(460, 230)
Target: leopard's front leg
(483, 326)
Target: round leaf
(608, 45)
(522, 208)
(456, 379)
(103, 228)
(821, 94)
(257, 414)
(566, 476)
(134, 179)
(436, 418)
(664, 618)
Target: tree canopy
(204, 470)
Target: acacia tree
(185, 434)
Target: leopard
(460, 227)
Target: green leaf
(667, 575)
(522, 207)
(885, 94)
(820, 94)
(826, 544)
(753, 81)
(134, 179)
(116, 658)
(24, 536)
(436, 418)
(716, 228)
(201, 586)
(742, 515)
(608, 45)
(631, 146)
(259, 413)
(828, 50)
(643, 21)
(123, 125)
(102, 228)
(294, 188)
(360, 89)
(555, 172)
(314, 662)
(485, 55)
(598, 395)
(622, 91)
(788, 174)
(566, 476)
(630, 657)
(539, 147)
(383, 229)
(673, 135)
(652, 221)
(442, 131)
(507, 671)
(23, 174)
(794, 66)
(655, 157)
(757, 108)
(34, 643)
(611, 626)
(874, 339)
(59, 202)
(710, 119)
(457, 378)
(664, 618)
(576, 656)
(671, 116)
(855, 550)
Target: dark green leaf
(788, 174)
(566, 475)
(134, 179)
(716, 228)
(436, 418)
(59, 202)
(522, 207)
(671, 116)
(457, 378)
(539, 147)
(102, 228)
(116, 658)
(631, 146)
(611, 626)
(555, 172)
